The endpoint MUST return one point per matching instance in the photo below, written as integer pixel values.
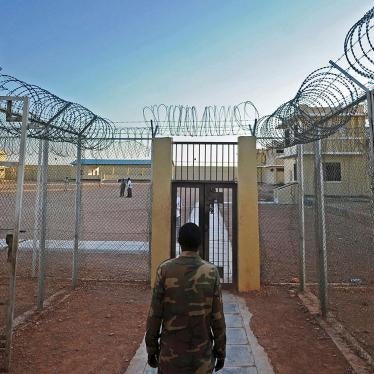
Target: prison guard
(187, 307)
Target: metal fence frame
(13, 243)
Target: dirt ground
(97, 329)
(106, 216)
(354, 308)
(349, 245)
(292, 339)
(26, 293)
(115, 266)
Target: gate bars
(212, 206)
(205, 161)
(204, 192)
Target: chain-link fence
(345, 221)
(321, 233)
(112, 233)
(72, 224)
(115, 232)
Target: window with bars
(332, 172)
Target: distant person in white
(129, 187)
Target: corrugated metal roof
(93, 161)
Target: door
(212, 206)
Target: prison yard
(284, 200)
(113, 289)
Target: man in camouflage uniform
(187, 308)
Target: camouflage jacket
(187, 308)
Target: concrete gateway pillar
(247, 257)
(161, 202)
(248, 227)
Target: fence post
(43, 223)
(17, 224)
(78, 203)
(300, 178)
(38, 208)
(370, 103)
(320, 227)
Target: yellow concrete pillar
(161, 202)
(248, 229)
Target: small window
(279, 151)
(332, 172)
(295, 172)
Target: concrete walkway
(220, 247)
(243, 353)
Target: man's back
(187, 302)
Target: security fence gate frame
(204, 191)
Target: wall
(115, 172)
(58, 173)
(286, 194)
(270, 175)
(288, 170)
(279, 176)
(268, 164)
(354, 172)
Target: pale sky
(115, 56)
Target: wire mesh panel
(278, 241)
(112, 237)
(54, 235)
(115, 232)
(7, 204)
(338, 235)
(348, 213)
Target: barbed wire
(358, 42)
(184, 120)
(53, 118)
(327, 99)
(325, 102)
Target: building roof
(93, 161)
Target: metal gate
(210, 202)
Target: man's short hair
(189, 236)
